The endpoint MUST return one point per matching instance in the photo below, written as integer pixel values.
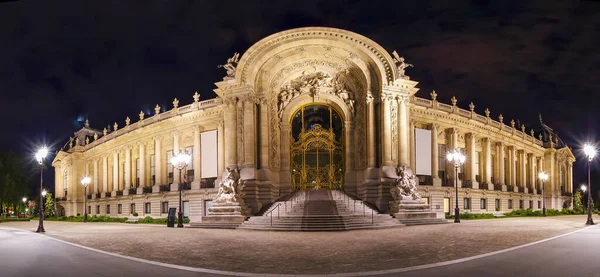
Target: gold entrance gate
(317, 151)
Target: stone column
(501, 170)
(158, 173)
(248, 171)
(176, 174)
(522, 170)
(220, 148)
(197, 158)
(387, 131)
(403, 135)
(540, 167)
(285, 176)
(95, 179)
(104, 175)
(142, 157)
(127, 170)
(531, 168)
(413, 154)
(264, 140)
(115, 173)
(231, 133)
(349, 129)
(471, 156)
(512, 165)
(371, 145)
(487, 163)
(570, 176)
(451, 145)
(435, 156)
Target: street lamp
(85, 181)
(24, 200)
(543, 177)
(584, 189)
(44, 192)
(457, 159)
(180, 161)
(590, 152)
(40, 156)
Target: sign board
(171, 218)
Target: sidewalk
(309, 252)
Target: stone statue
(401, 65)
(228, 188)
(406, 185)
(230, 67)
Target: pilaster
(435, 156)
(197, 158)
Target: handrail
(271, 212)
(346, 198)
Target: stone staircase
(319, 211)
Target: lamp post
(584, 189)
(543, 177)
(590, 152)
(180, 161)
(40, 156)
(85, 181)
(44, 192)
(457, 159)
(24, 200)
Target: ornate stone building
(305, 109)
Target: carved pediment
(314, 83)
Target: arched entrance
(317, 148)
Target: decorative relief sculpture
(228, 189)
(401, 65)
(406, 185)
(230, 66)
(313, 83)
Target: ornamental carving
(230, 66)
(360, 135)
(274, 159)
(401, 65)
(240, 131)
(314, 83)
(229, 189)
(394, 129)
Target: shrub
(13, 219)
(466, 215)
(134, 214)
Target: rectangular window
(477, 162)
(132, 208)
(108, 209)
(89, 209)
(119, 209)
(422, 140)
(152, 173)
(521, 204)
(467, 202)
(97, 209)
(208, 153)
(169, 167)
(164, 207)
(190, 167)
(148, 209)
(493, 170)
(539, 204)
(510, 204)
(137, 172)
(497, 204)
(483, 203)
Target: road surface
(24, 253)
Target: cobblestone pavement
(308, 252)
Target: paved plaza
(308, 252)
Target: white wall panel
(209, 154)
(423, 151)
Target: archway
(317, 148)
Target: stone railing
(151, 120)
(507, 130)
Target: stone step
(232, 225)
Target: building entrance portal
(317, 149)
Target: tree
(577, 204)
(13, 180)
(49, 206)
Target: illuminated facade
(312, 108)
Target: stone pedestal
(226, 213)
(408, 209)
(140, 190)
(155, 188)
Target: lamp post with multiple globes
(457, 159)
(85, 181)
(24, 206)
(40, 156)
(590, 152)
(180, 161)
(543, 177)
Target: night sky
(63, 61)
